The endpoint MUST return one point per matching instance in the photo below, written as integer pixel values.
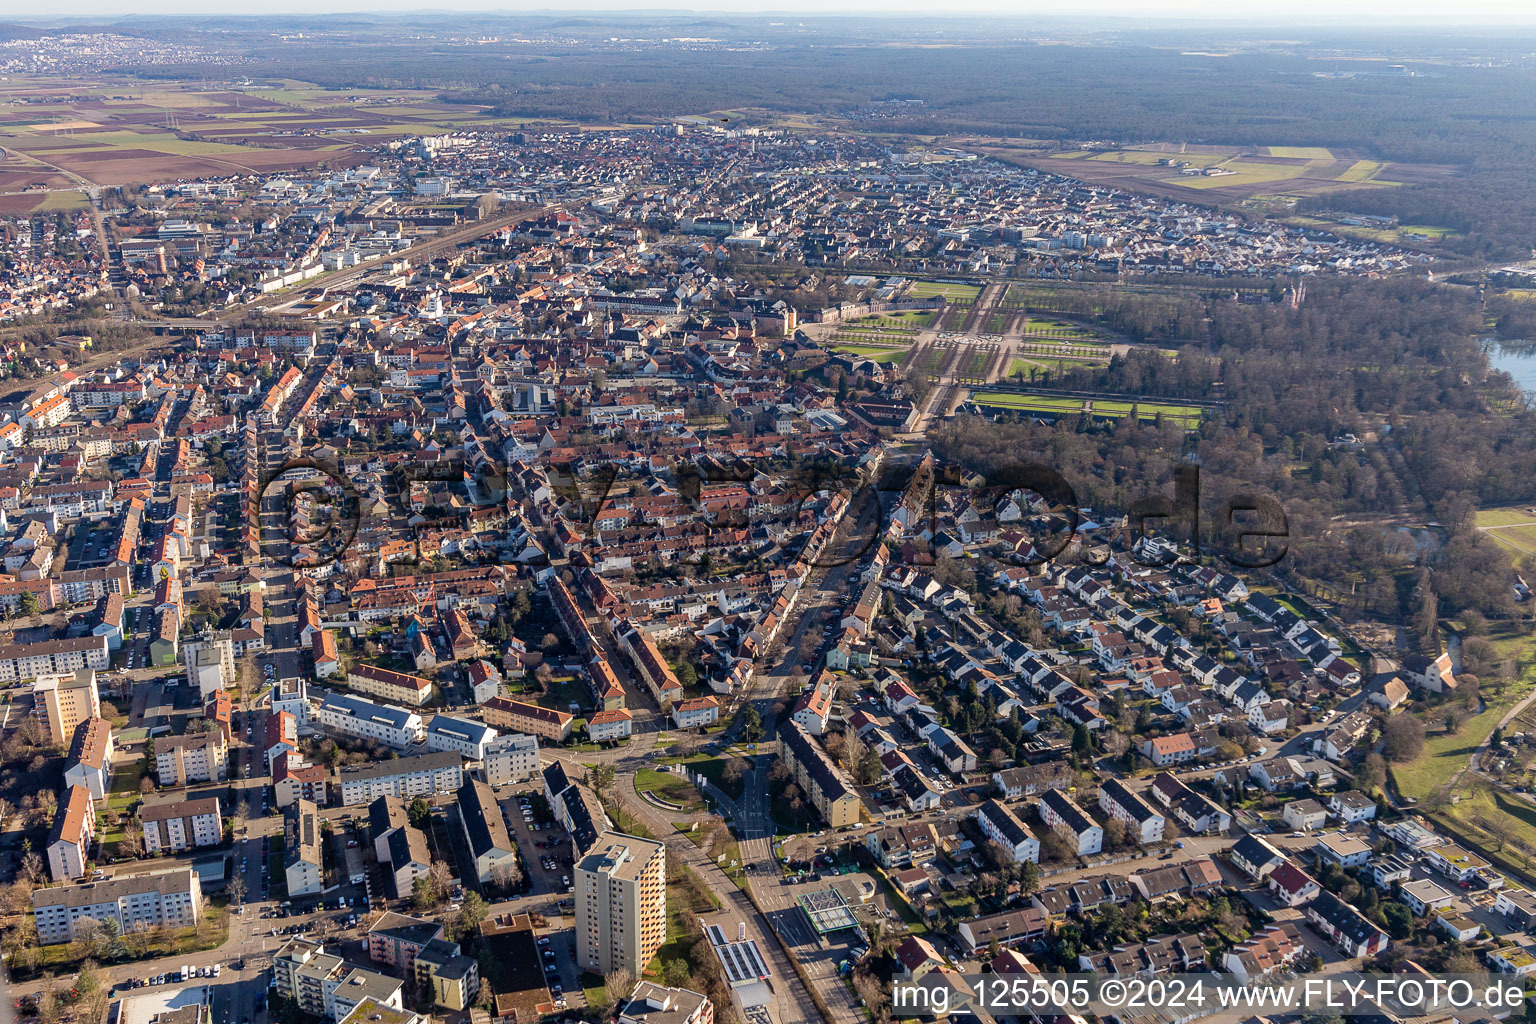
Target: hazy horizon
(1302, 13)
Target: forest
(1396, 362)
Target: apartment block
(134, 902)
(621, 904)
(302, 863)
(53, 658)
(90, 758)
(404, 777)
(69, 841)
(463, 736)
(63, 701)
(398, 687)
(210, 660)
(176, 825)
(363, 719)
(195, 757)
(513, 757)
(520, 716)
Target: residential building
(365, 720)
(404, 777)
(1005, 928)
(451, 979)
(69, 841)
(1345, 926)
(463, 736)
(302, 851)
(90, 758)
(133, 902)
(62, 702)
(696, 712)
(48, 658)
(520, 716)
(1340, 848)
(1000, 825)
(1071, 822)
(1275, 948)
(323, 985)
(509, 758)
(399, 846)
(396, 939)
(396, 687)
(823, 782)
(176, 825)
(485, 835)
(194, 757)
(650, 1003)
(621, 904)
(1305, 814)
(610, 726)
(1142, 824)
(210, 660)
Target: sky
(1385, 13)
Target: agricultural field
(959, 293)
(1400, 235)
(116, 131)
(1262, 174)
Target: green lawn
(729, 850)
(671, 787)
(878, 353)
(953, 292)
(1444, 755)
(212, 933)
(1031, 403)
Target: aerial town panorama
(676, 519)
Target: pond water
(1518, 359)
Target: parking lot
(545, 845)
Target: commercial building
(621, 904)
